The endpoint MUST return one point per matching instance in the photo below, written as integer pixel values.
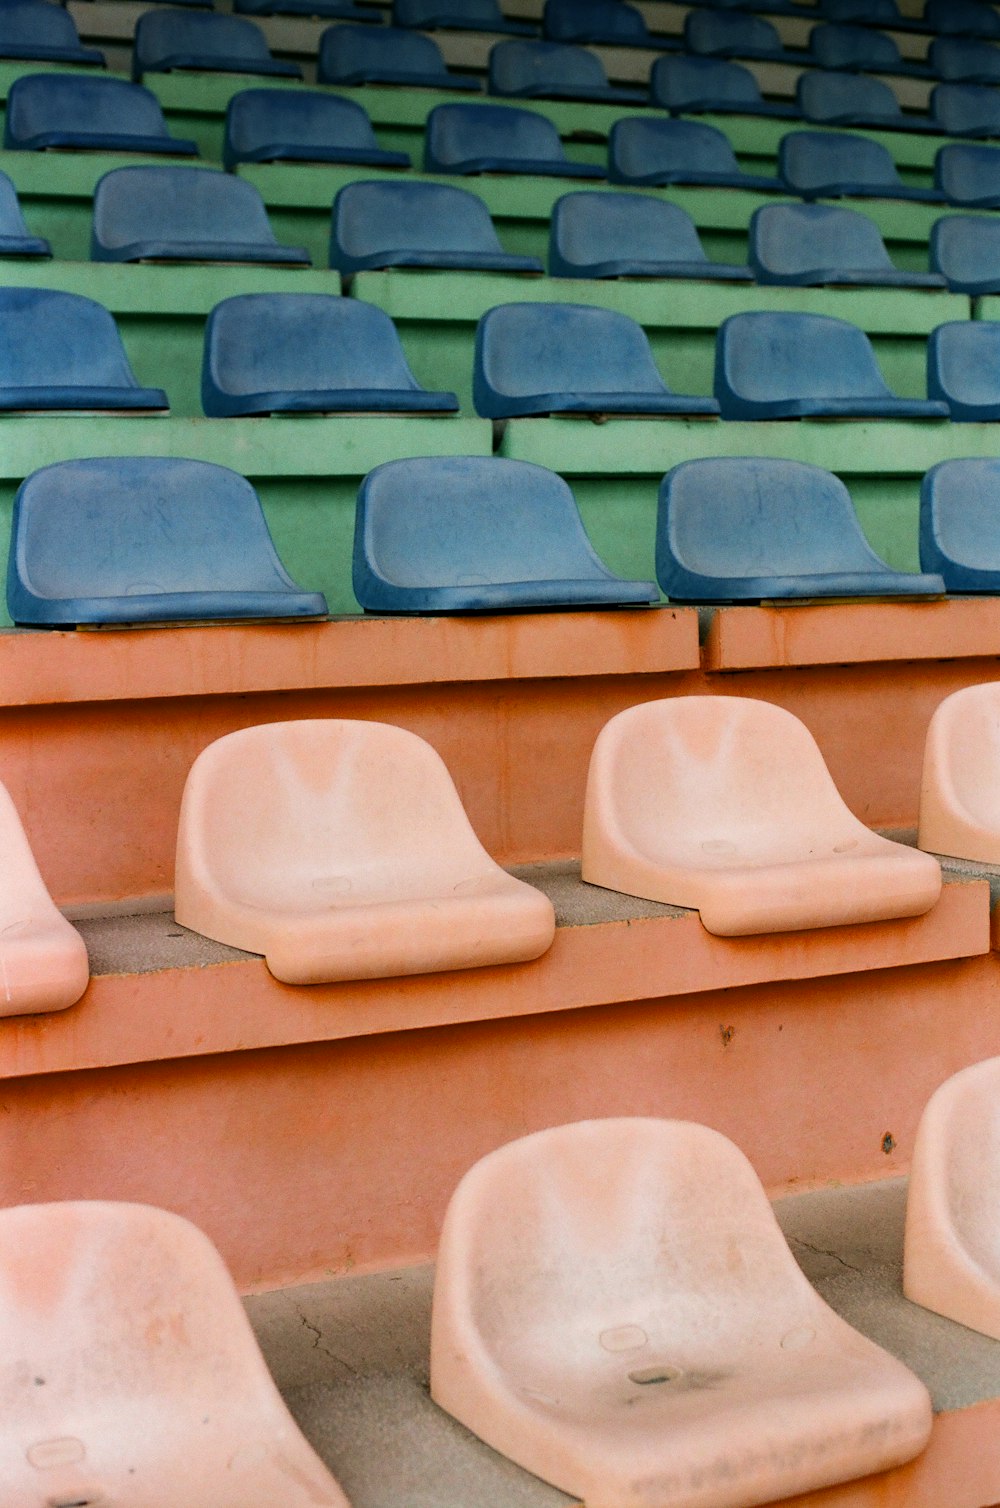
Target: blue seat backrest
(639, 145)
(354, 50)
(963, 368)
(967, 174)
(162, 34)
(966, 109)
(824, 96)
(790, 238)
(481, 15)
(594, 228)
(962, 18)
(370, 217)
(730, 33)
(956, 60)
(853, 47)
(867, 12)
(966, 250)
(960, 523)
(27, 23)
(457, 133)
(675, 82)
(764, 356)
(594, 20)
(168, 204)
(515, 66)
(12, 226)
(42, 102)
(810, 162)
(59, 339)
(258, 118)
(562, 348)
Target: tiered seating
(695, 85)
(461, 15)
(391, 55)
(61, 351)
(732, 34)
(168, 39)
(378, 224)
(969, 176)
(553, 70)
(960, 524)
(857, 49)
(16, 239)
(275, 125)
(43, 960)
(851, 99)
(808, 244)
(821, 165)
(965, 250)
(496, 139)
(613, 22)
(340, 10)
(962, 18)
(36, 30)
(53, 110)
(657, 152)
(965, 110)
(629, 235)
(956, 61)
(963, 369)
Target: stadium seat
(832, 165)
(536, 359)
(284, 125)
(165, 214)
(965, 249)
(458, 15)
(950, 1254)
(688, 86)
(965, 110)
(553, 70)
(391, 55)
(129, 1318)
(612, 22)
(786, 365)
(43, 959)
(725, 805)
(595, 235)
(341, 850)
(865, 12)
(391, 224)
(852, 99)
(657, 152)
(46, 110)
(615, 1305)
(63, 351)
(497, 139)
(472, 534)
(745, 530)
(858, 49)
(145, 540)
(809, 245)
(34, 30)
(963, 369)
(962, 18)
(16, 239)
(957, 61)
(968, 176)
(201, 40)
(307, 353)
(960, 524)
(325, 10)
(732, 34)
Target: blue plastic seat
(965, 110)
(863, 12)
(169, 39)
(808, 245)
(689, 86)
(46, 110)
(853, 99)
(858, 49)
(271, 353)
(732, 34)
(553, 70)
(742, 530)
(285, 125)
(497, 139)
(965, 249)
(963, 369)
(37, 30)
(144, 540)
(957, 61)
(391, 55)
(968, 175)
(392, 224)
(654, 152)
(960, 524)
(63, 351)
(16, 239)
(458, 15)
(609, 21)
(473, 534)
(325, 10)
(790, 366)
(831, 165)
(168, 214)
(536, 359)
(594, 235)
(962, 18)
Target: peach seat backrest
(960, 789)
(130, 1374)
(43, 960)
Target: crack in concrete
(822, 1251)
(320, 1345)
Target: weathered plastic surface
(610, 21)
(596, 235)
(145, 539)
(689, 85)
(390, 55)
(786, 365)
(968, 176)
(33, 30)
(185, 214)
(497, 139)
(131, 1373)
(731, 34)
(743, 529)
(459, 15)
(533, 359)
(63, 351)
(43, 960)
(646, 150)
(282, 125)
(962, 18)
(307, 353)
(965, 249)
(960, 523)
(965, 110)
(465, 534)
(811, 244)
(387, 223)
(16, 239)
(855, 49)
(963, 369)
(47, 110)
(554, 70)
(341, 850)
(951, 1253)
(830, 165)
(725, 805)
(853, 99)
(957, 61)
(205, 41)
(616, 1309)
(960, 788)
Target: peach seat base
(43, 960)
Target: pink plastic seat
(960, 792)
(341, 850)
(43, 960)
(951, 1261)
(130, 1375)
(615, 1308)
(725, 805)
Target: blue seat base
(164, 607)
(376, 75)
(539, 404)
(211, 251)
(844, 408)
(834, 584)
(709, 180)
(345, 401)
(280, 151)
(53, 399)
(624, 268)
(195, 63)
(452, 261)
(24, 246)
(543, 167)
(608, 95)
(31, 53)
(839, 277)
(100, 141)
(512, 596)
